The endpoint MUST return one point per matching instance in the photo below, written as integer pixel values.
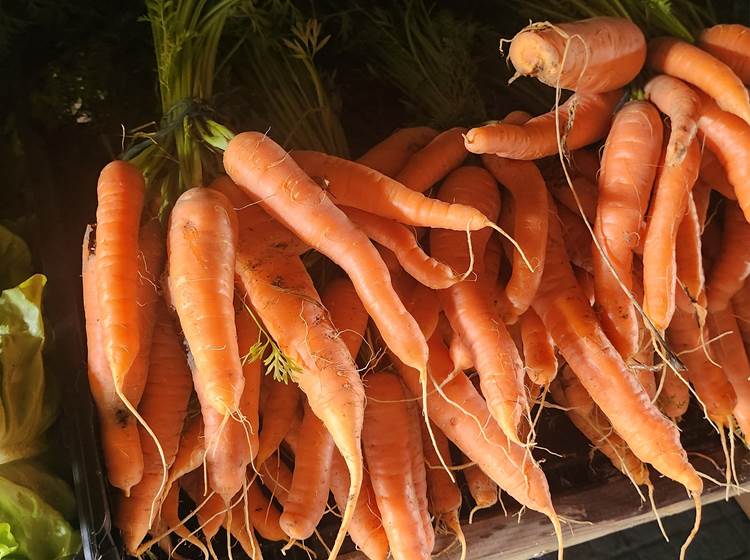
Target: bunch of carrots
(469, 275)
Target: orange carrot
(592, 55)
(482, 488)
(248, 334)
(586, 280)
(170, 519)
(212, 513)
(538, 137)
(586, 190)
(277, 477)
(577, 238)
(672, 189)
(392, 154)
(433, 162)
(191, 451)
(264, 515)
(732, 265)
(629, 164)
(346, 311)
(730, 43)
(713, 173)
(538, 351)
(682, 105)
(388, 450)
(423, 304)
(241, 528)
(688, 254)
(689, 63)
(120, 192)
(118, 429)
(741, 305)
(419, 466)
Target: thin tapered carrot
(680, 103)
(264, 515)
(689, 63)
(212, 513)
(712, 172)
(577, 238)
(170, 518)
(537, 138)
(702, 199)
(538, 350)
(191, 451)
(423, 304)
(419, 466)
(732, 265)
(277, 410)
(671, 192)
(277, 477)
(586, 280)
(598, 54)
(459, 354)
(248, 334)
(530, 215)
(306, 501)
(482, 488)
(432, 163)
(688, 254)
(388, 450)
(264, 170)
(120, 192)
(572, 324)
(629, 165)
(399, 239)
(163, 406)
(392, 154)
(121, 444)
(242, 530)
(730, 43)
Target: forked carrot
(730, 43)
(682, 105)
(392, 154)
(432, 163)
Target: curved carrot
(530, 214)
(592, 55)
(399, 239)
(537, 138)
(277, 477)
(712, 172)
(264, 515)
(392, 154)
(538, 350)
(672, 189)
(388, 453)
(689, 63)
(266, 172)
(279, 407)
(432, 163)
(191, 451)
(629, 165)
(680, 103)
(730, 43)
(121, 444)
(732, 265)
(212, 513)
(120, 192)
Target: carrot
(170, 518)
(586, 190)
(277, 477)
(190, 452)
(682, 105)
(672, 189)
(466, 421)
(538, 137)
(241, 528)
(388, 451)
(586, 280)
(392, 154)
(688, 254)
(538, 351)
(732, 265)
(730, 353)
(397, 237)
(248, 334)
(419, 466)
(492, 350)
(729, 43)
(306, 502)
(702, 199)
(424, 305)
(459, 353)
(163, 406)
(689, 63)
(264, 515)
(118, 429)
(728, 137)
(592, 55)
(264, 170)
(212, 513)
(529, 192)
(346, 311)
(279, 407)
(577, 238)
(120, 192)
(673, 395)
(572, 324)
(585, 163)
(741, 305)
(482, 488)
(629, 164)
(432, 163)
(713, 173)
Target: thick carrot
(538, 350)
(629, 165)
(712, 172)
(672, 190)
(538, 137)
(388, 450)
(433, 162)
(732, 265)
(572, 324)
(530, 215)
(591, 55)
(730, 43)
(306, 502)
(392, 154)
(117, 426)
(577, 238)
(399, 239)
(688, 254)
(265, 171)
(120, 192)
(682, 105)
(689, 63)
(163, 406)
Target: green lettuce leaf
(28, 406)
(38, 530)
(15, 260)
(8, 544)
(32, 475)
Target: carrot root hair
(696, 525)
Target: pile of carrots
(471, 276)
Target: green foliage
(280, 366)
